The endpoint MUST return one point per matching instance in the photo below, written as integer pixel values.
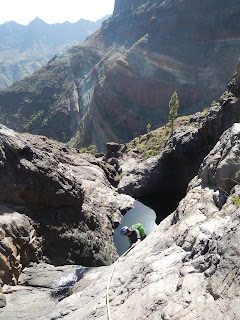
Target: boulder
(19, 244)
(32, 174)
(113, 150)
(56, 203)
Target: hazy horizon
(50, 23)
(52, 12)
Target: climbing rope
(109, 281)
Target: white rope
(109, 281)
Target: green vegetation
(213, 103)
(236, 201)
(142, 8)
(153, 142)
(223, 215)
(37, 101)
(91, 149)
(173, 106)
(143, 40)
(205, 111)
(150, 144)
(118, 177)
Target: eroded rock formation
(184, 150)
(56, 204)
(188, 268)
(19, 244)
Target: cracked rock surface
(188, 268)
(55, 204)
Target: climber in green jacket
(134, 234)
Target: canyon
(59, 206)
(56, 227)
(121, 78)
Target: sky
(54, 11)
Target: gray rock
(186, 269)
(2, 300)
(112, 148)
(58, 196)
(32, 174)
(184, 151)
(19, 244)
(221, 168)
(41, 287)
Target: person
(134, 235)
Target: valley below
(85, 143)
(56, 242)
(119, 80)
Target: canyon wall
(122, 77)
(54, 206)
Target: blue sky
(53, 11)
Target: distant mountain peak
(35, 44)
(37, 20)
(12, 22)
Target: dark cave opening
(150, 211)
(163, 203)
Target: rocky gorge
(51, 207)
(59, 209)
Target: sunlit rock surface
(186, 269)
(56, 204)
(39, 289)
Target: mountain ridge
(25, 48)
(122, 77)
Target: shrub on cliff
(173, 106)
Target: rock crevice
(56, 204)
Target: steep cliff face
(188, 268)
(122, 78)
(53, 206)
(183, 151)
(121, 5)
